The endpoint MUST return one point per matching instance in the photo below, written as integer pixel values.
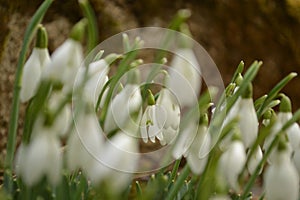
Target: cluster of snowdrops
(86, 122)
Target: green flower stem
(207, 180)
(29, 33)
(274, 92)
(174, 171)
(92, 24)
(275, 141)
(178, 184)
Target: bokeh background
(230, 30)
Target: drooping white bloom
(292, 133)
(32, 72)
(185, 77)
(168, 117)
(150, 125)
(128, 101)
(64, 64)
(63, 120)
(118, 160)
(96, 79)
(84, 143)
(185, 139)
(43, 158)
(232, 162)
(281, 178)
(233, 113)
(248, 122)
(197, 154)
(255, 160)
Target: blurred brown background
(230, 31)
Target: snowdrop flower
(127, 102)
(33, 67)
(232, 114)
(255, 160)
(63, 120)
(185, 139)
(98, 71)
(293, 132)
(96, 78)
(168, 118)
(66, 59)
(197, 154)
(84, 143)
(150, 125)
(194, 144)
(281, 178)
(248, 122)
(185, 80)
(232, 162)
(118, 160)
(43, 157)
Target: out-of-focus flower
(194, 144)
(185, 139)
(293, 132)
(117, 161)
(232, 162)
(31, 77)
(84, 143)
(197, 154)
(20, 159)
(281, 178)
(127, 102)
(255, 160)
(185, 80)
(43, 157)
(97, 77)
(64, 64)
(63, 120)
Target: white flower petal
(248, 122)
(185, 80)
(255, 160)
(282, 179)
(232, 162)
(31, 76)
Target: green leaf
(12, 132)
(274, 92)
